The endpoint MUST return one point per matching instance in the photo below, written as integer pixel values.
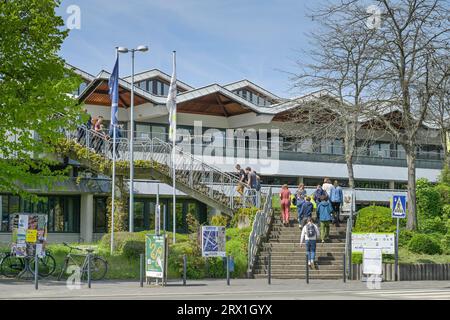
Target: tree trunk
(411, 223)
(351, 175)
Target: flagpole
(113, 194)
(174, 136)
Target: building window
(100, 215)
(63, 211)
(372, 184)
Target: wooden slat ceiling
(214, 104)
(100, 96)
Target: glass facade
(63, 211)
(144, 213)
(150, 130)
(100, 214)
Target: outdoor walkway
(240, 289)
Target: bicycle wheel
(99, 268)
(11, 266)
(46, 266)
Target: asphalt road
(241, 289)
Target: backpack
(294, 200)
(311, 230)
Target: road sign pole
(396, 250)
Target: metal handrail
(260, 229)
(189, 170)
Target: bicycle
(12, 266)
(98, 265)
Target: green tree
(34, 87)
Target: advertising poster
(155, 256)
(29, 234)
(213, 241)
(372, 261)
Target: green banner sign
(155, 248)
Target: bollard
(36, 271)
(344, 275)
(184, 269)
(89, 270)
(141, 269)
(307, 269)
(228, 270)
(269, 278)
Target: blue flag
(114, 94)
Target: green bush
(375, 219)
(404, 237)
(429, 203)
(133, 248)
(219, 220)
(433, 225)
(250, 213)
(424, 243)
(445, 243)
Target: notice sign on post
(213, 241)
(383, 241)
(155, 249)
(399, 207)
(372, 261)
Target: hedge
(375, 219)
(424, 243)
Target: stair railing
(189, 170)
(260, 230)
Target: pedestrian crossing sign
(399, 207)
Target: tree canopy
(35, 88)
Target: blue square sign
(399, 207)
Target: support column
(87, 217)
(392, 185)
(299, 180)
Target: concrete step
(296, 267)
(329, 245)
(301, 257)
(312, 276)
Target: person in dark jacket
(305, 212)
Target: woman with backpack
(324, 210)
(285, 197)
(310, 234)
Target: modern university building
(226, 124)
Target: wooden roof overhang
(98, 94)
(213, 104)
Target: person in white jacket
(310, 234)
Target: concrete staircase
(289, 260)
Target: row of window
(63, 211)
(156, 87)
(253, 97)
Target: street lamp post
(126, 50)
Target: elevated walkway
(153, 160)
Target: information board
(29, 234)
(213, 241)
(155, 255)
(383, 241)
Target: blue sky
(216, 41)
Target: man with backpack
(310, 234)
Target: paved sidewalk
(218, 290)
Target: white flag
(172, 103)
